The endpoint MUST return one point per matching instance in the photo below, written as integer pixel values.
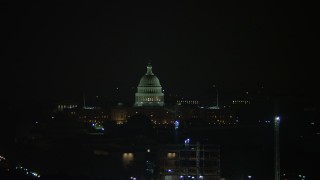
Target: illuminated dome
(149, 90)
(149, 81)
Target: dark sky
(56, 50)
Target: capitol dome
(149, 91)
(149, 81)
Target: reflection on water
(127, 158)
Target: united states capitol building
(149, 92)
(150, 101)
(187, 160)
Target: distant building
(119, 114)
(149, 100)
(66, 105)
(149, 92)
(89, 115)
(208, 116)
(184, 102)
(158, 116)
(241, 102)
(243, 99)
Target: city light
(187, 141)
(28, 172)
(276, 149)
(176, 125)
(81, 108)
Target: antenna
(217, 98)
(84, 100)
(276, 148)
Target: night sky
(59, 50)
(54, 51)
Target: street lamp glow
(276, 148)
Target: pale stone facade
(149, 91)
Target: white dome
(149, 90)
(149, 81)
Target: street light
(276, 148)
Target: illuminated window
(171, 155)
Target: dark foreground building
(189, 161)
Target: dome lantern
(149, 69)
